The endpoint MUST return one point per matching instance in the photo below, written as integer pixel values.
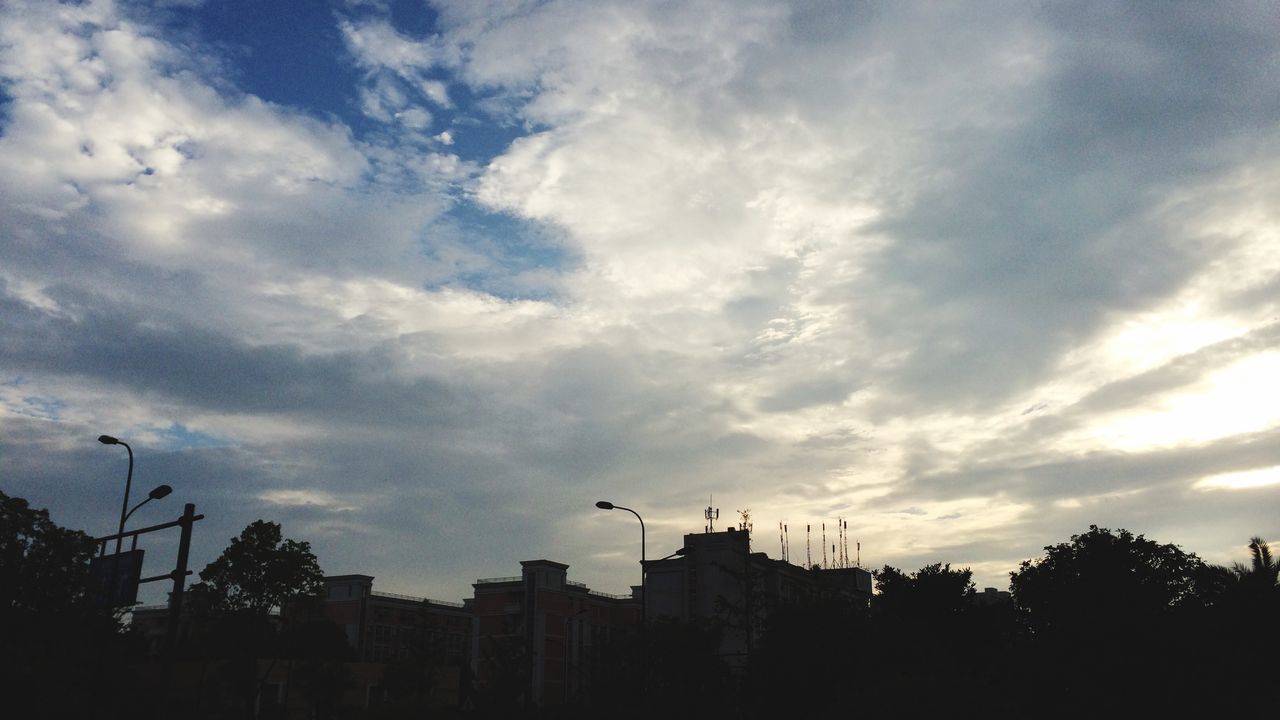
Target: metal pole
(644, 596)
(644, 607)
(175, 597)
(124, 507)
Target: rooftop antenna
(845, 540)
(808, 547)
(782, 543)
(712, 515)
(859, 554)
(840, 542)
(824, 546)
(745, 525)
(786, 543)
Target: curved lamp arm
(128, 482)
(606, 505)
(155, 494)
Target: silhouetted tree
(1262, 571)
(258, 572)
(926, 632)
(1242, 633)
(935, 591)
(1116, 620)
(58, 646)
(1104, 580)
(812, 660)
(44, 568)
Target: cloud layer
(971, 280)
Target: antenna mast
(808, 547)
(824, 546)
(839, 542)
(846, 543)
(712, 515)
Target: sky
(423, 281)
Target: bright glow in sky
(1241, 480)
(424, 280)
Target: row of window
(413, 617)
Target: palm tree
(1263, 570)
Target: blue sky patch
(281, 51)
(180, 437)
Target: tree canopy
(43, 567)
(259, 571)
(53, 633)
(935, 590)
(1104, 577)
(1262, 571)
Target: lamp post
(644, 596)
(128, 482)
(155, 494)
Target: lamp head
(604, 505)
(159, 492)
(108, 440)
(681, 552)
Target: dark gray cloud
(148, 353)
(802, 258)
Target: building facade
(720, 581)
(388, 627)
(539, 635)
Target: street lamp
(128, 482)
(644, 595)
(155, 494)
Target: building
(538, 636)
(382, 628)
(720, 581)
(992, 597)
(386, 627)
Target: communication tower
(824, 546)
(712, 515)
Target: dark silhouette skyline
(1106, 623)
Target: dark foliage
(232, 629)
(257, 572)
(56, 644)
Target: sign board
(114, 578)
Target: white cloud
(818, 260)
(304, 498)
(1249, 479)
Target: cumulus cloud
(969, 280)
